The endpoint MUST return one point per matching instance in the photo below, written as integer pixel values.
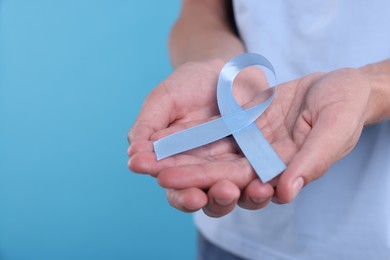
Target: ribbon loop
(234, 121)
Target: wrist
(378, 75)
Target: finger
(143, 159)
(140, 132)
(156, 113)
(256, 195)
(140, 147)
(222, 198)
(325, 144)
(146, 162)
(205, 175)
(187, 200)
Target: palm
(190, 97)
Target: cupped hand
(185, 99)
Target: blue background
(73, 75)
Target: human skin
(312, 122)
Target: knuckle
(163, 181)
(140, 146)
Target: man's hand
(185, 99)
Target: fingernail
(131, 137)
(275, 200)
(223, 202)
(297, 186)
(258, 200)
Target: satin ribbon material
(234, 121)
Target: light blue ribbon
(233, 121)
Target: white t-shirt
(346, 213)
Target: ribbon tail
(191, 138)
(260, 154)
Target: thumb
(331, 138)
